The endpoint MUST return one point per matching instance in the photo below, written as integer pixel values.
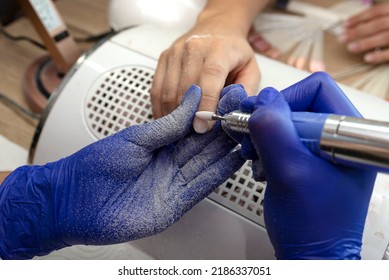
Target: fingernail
(353, 46)
(342, 38)
(200, 126)
(368, 57)
(316, 66)
(261, 46)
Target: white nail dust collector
(169, 13)
(108, 90)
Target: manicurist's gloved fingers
(192, 145)
(211, 177)
(319, 93)
(246, 104)
(216, 157)
(211, 153)
(170, 128)
(273, 133)
(231, 97)
(300, 185)
(248, 150)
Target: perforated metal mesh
(242, 194)
(118, 99)
(121, 97)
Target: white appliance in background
(169, 13)
(108, 89)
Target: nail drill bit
(236, 121)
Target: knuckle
(210, 98)
(175, 50)
(190, 46)
(171, 54)
(214, 69)
(164, 54)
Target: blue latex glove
(248, 150)
(313, 209)
(127, 186)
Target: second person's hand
(368, 33)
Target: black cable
(87, 39)
(11, 103)
(93, 38)
(38, 81)
(21, 38)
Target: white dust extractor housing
(108, 89)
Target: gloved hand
(248, 150)
(313, 209)
(127, 186)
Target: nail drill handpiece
(343, 140)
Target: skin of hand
(3, 175)
(130, 185)
(368, 33)
(214, 53)
(313, 209)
